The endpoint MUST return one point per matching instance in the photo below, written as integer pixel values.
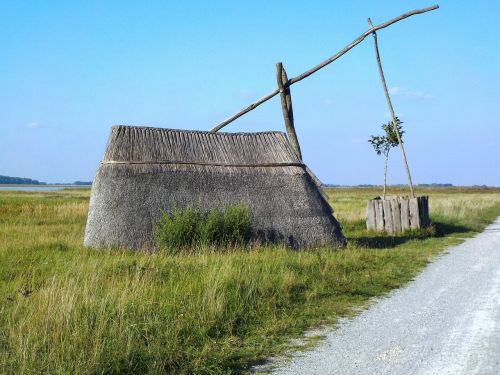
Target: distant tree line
(19, 181)
(397, 185)
(82, 183)
(7, 180)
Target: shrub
(181, 229)
(237, 225)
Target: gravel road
(447, 321)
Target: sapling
(382, 144)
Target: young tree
(382, 144)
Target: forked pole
(286, 107)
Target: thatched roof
(149, 170)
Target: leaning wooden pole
(286, 107)
(391, 109)
(321, 65)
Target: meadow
(66, 309)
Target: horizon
(324, 184)
(70, 72)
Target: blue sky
(71, 70)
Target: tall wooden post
(391, 109)
(286, 106)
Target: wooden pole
(245, 110)
(286, 107)
(391, 109)
(331, 59)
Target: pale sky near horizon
(71, 70)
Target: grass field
(65, 309)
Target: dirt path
(445, 322)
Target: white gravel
(447, 321)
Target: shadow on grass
(375, 240)
(443, 229)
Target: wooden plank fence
(397, 214)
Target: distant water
(40, 187)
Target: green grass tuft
(192, 228)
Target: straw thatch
(146, 171)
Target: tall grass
(66, 309)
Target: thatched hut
(146, 171)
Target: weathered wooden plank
(414, 213)
(389, 225)
(424, 211)
(427, 212)
(396, 215)
(405, 214)
(370, 215)
(375, 210)
(421, 210)
(379, 215)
